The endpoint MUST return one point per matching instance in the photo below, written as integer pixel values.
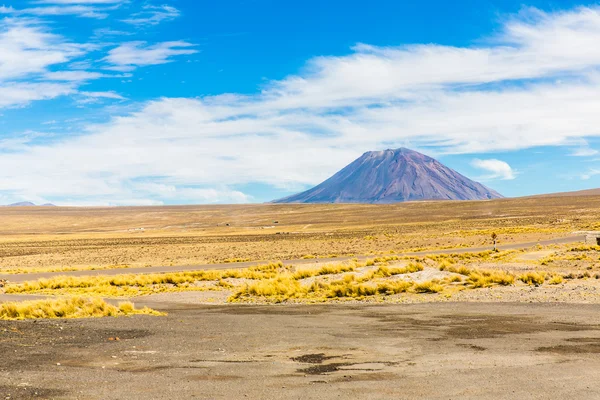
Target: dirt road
(15, 278)
(433, 351)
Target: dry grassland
(74, 307)
(62, 239)
(392, 278)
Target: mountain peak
(391, 176)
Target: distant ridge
(392, 176)
(29, 204)
(587, 192)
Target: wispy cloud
(76, 10)
(153, 15)
(584, 152)
(130, 55)
(69, 2)
(589, 174)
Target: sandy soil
(433, 351)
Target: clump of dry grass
(344, 288)
(236, 260)
(533, 278)
(385, 271)
(461, 269)
(479, 279)
(428, 287)
(280, 288)
(75, 307)
(329, 269)
(555, 280)
(584, 248)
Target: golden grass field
(66, 239)
(55, 239)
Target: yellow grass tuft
(385, 271)
(280, 288)
(555, 280)
(533, 278)
(428, 287)
(75, 307)
(342, 289)
(479, 279)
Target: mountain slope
(392, 176)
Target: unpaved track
(16, 278)
(334, 351)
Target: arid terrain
(62, 238)
(432, 351)
(301, 301)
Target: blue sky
(124, 102)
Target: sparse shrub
(533, 278)
(584, 248)
(428, 287)
(342, 289)
(555, 280)
(462, 270)
(385, 271)
(445, 264)
(487, 278)
(279, 288)
(570, 275)
(547, 260)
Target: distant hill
(392, 176)
(587, 192)
(29, 204)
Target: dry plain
(306, 301)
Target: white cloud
(584, 152)
(498, 169)
(76, 10)
(130, 55)
(153, 15)
(20, 94)
(28, 48)
(74, 76)
(80, 2)
(110, 32)
(590, 173)
(104, 95)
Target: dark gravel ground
(433, 351)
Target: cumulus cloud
(498, 169)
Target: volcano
(393, 176)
